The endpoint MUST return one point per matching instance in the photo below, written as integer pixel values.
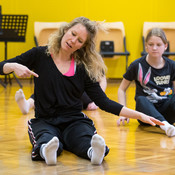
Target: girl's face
(74, 38)
(155, 47)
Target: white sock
(23, 104)
(97, 151)
(49, 151)
(168, 128)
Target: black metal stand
(2, 83)
(12, 28)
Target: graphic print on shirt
(153, 93)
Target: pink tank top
(71, 70)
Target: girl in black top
(154, 76)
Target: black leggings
(75, 136)
(164, 111)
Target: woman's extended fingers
(34, 74)
(151, 120)
(23, 71)
(27, 73)
(157, 122)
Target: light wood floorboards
(134, 150)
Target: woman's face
(74, 38)
(155, 47)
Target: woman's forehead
(80, 30)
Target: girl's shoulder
(169, 63)
(168, 60)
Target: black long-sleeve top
(58, 95)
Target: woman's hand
(129, 113)
(19, 70)
(23, 71)
(151, 120)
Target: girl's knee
(141, 99)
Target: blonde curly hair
(86, 55)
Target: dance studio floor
(134, 150)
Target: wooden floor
(133, 149)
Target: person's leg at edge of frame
(150, 109)
(168, 111)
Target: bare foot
(22, 102)
(91, 106)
